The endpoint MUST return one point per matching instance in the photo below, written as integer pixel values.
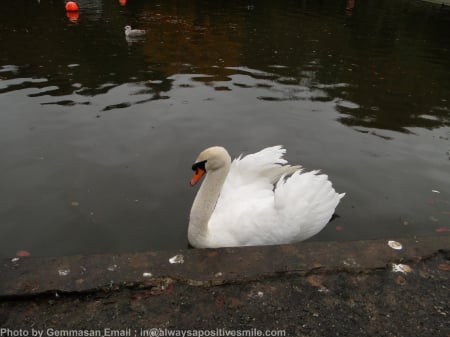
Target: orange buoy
(71, 6)
(122, 2)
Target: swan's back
(265, 201)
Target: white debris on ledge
(350, 262)
(395, 245)
(401, 268)
(63, 272)
(112, 267)
(177, 259)
(147, 274)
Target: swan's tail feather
(310, 194)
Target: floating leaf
(22, 253)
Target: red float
(71, 6)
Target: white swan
(134, 32)
(257, 200)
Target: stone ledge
(77, 274)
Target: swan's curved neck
(204, 205)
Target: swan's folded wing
(248, 191)
(267, 165)
(252, 177)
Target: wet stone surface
(345, 301)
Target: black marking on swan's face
(199, 165)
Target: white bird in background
(134, 32)
(257, 200)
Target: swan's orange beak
(199, 172)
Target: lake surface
(98, 133)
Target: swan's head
(210, 159)
(127, 28)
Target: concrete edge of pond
(33, 276)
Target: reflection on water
(88, 114)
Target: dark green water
(98, 133)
